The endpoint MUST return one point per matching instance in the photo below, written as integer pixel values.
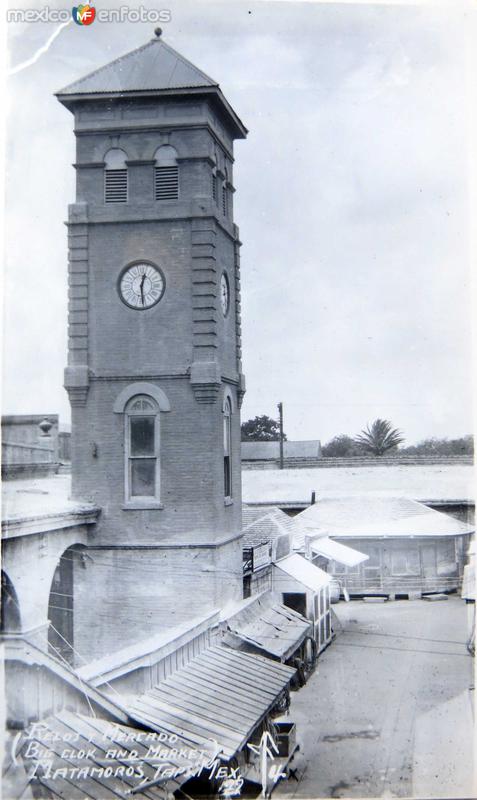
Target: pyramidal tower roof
(153, 68)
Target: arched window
(227, 421)
(115, 176)
(142, 449)
(166, 173)
(225, 199)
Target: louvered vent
(166, 183)
(224, 201)
(115, 186)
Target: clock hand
(141, 288)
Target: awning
(219, 697)
(303, 571)
(324, 546)
(271, 627)
(89, 757)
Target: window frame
(227, 412)
(141, 501)
(408, 553)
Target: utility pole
(280, 411)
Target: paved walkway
(388, 711)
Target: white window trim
(138, 502)
(227, 413)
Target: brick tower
(154, 364)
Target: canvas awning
(218, 697)
(271, 627)
(303, 571)
(85, 756)
(335, 551)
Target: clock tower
(154, 371)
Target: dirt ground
(388, 712)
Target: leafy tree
(379, 437)
(442, 447)
(340, 446)
(261, 429)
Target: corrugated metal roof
(378, 516)
(154, 66)
(220, 696)
(336, 551)
(270, 626)
(251, 514)
(82, 776)
(267, 528)
(303, 571)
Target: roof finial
(158, 32)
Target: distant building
(404, 547)
(30, 445)
(253, 452)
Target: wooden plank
(234, 672)
(165, 717)
(214, 676)
(104, 745)
(259, 667)
(87, 786)
(211, 700)
(268, 668)
(210, 727)
(253, 674)
(218, 696)
(196, 740)
(63, 788)
(236, 677)
(250, 696)
(190, 705)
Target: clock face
(141, 285)
(224, 294)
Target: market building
(385, 545)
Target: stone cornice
(48, 523)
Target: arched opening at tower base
(61, 606)
(10, 610)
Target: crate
(286, 739)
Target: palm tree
(379, 437)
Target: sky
(352, 198)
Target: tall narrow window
(142, 449)
(166, 174)
(227, 448)
(115, 176)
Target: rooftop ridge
(185, 61)
(208, 81)
(104, 66)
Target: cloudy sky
(352, 201)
